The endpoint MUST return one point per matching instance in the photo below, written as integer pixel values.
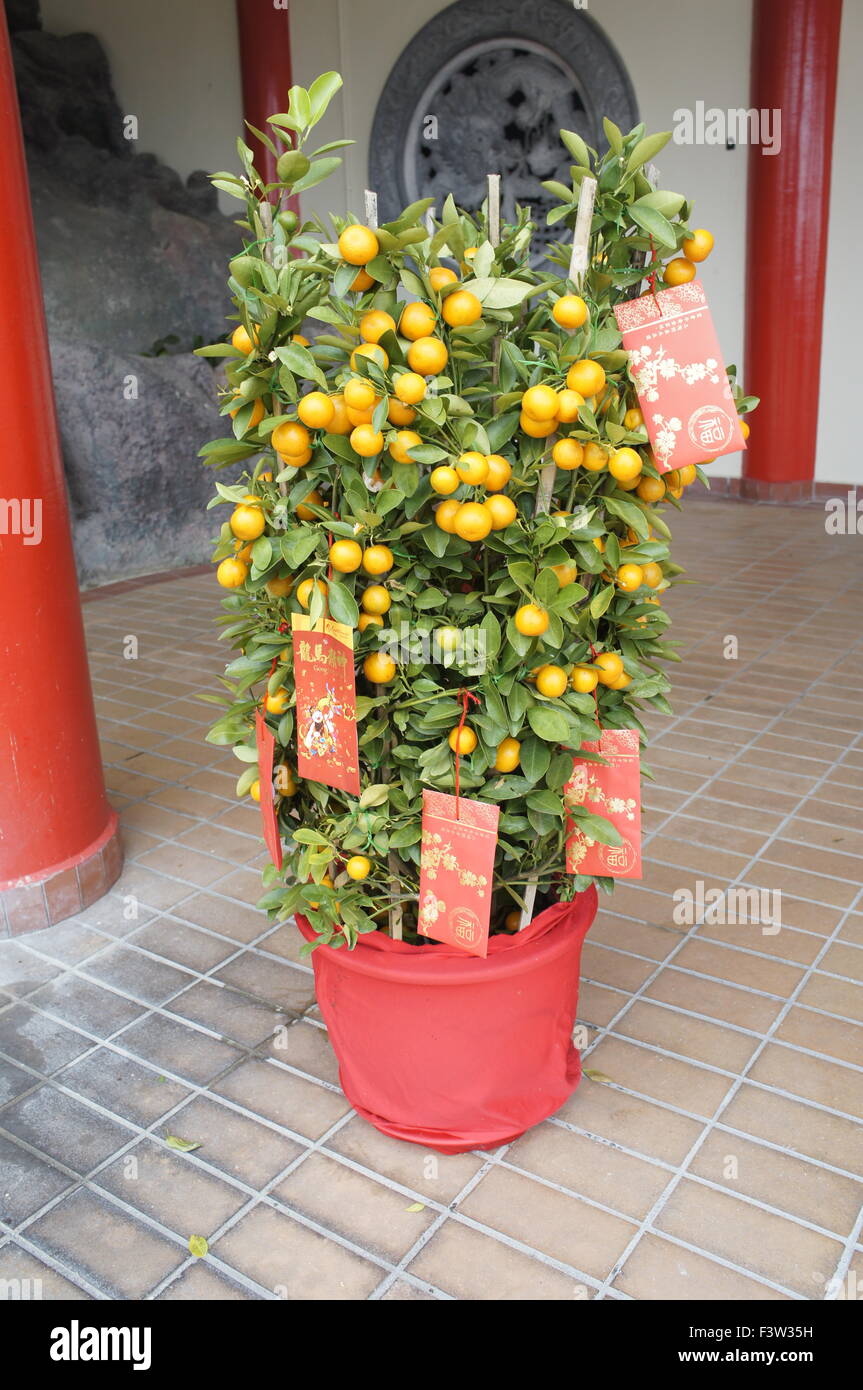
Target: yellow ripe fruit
(428, 356)
(255, 790)
(375, 324)
(444, 480)
(296, 460)
(358, 867)
(369, 620)
(673, 485)
(279, 588)
(417, 321)
(231, 573)
(651, 574)
(462, 741)
(378, 559)
(360, 394)
(551, 681)
(565, 574)
(243, 552)
(361, 281)
(540, 402)
(744, 428)
(568, 403)
(404, 440)
(621, 683)
(499, 472)
(570, 311)
(366, 441)
(358, 244)
(316, 410)
(399, 414)
(290, 438)
(256, 416)
(502, 511)
(583, 680)
(507, 756)
(359, 417)
(585, 376)
(346, 556)
(247, 523)
(531, 620)
(633, 419)
(373, 351)
(303, 510)
(472, 521)
(379, 668)
(340, 424)
(441, 275)
(376, 599)
(410, 387)
(300, 338)
(610, 667)
(651, 489)
(472, 468)
(595, 457)
(625, 465)
(304, 591)
(241, 341)
(679, 271)
(567, 454)
(629, 578)
(445, 514)
(461, 308)
(277, 703)
(699, 246)
(687, 474)
(600, 544)
(537, 429)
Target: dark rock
(137, 489)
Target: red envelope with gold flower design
(679, 375)
(326, 703)
(611, 789)
(459, 838)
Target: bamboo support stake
(494, 238)
(371, 199)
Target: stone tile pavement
(715, 1151)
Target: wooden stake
(529, 898)
(579, 259)
(371, 208)
(494, 209)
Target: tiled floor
(715, 1152)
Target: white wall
(838, 455)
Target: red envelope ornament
(611, 789)
(326, 703)
(456, 870)
(679, 375)
(266, 745)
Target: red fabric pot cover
(449, 1050)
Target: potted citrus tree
(446, 458)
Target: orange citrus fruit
(417, 321)
(570, 311)
(358, 244)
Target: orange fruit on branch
(699, 246)
(346, 556)
(316, 410)
(586, 376)
(378, 559)
(507, 756)
(461, 308)
(531, 620)
(375, 324)
(462, 741)
(379, 668)
(231, 573)
(570, 311)
(358, 244)
(428, 356)
(418, 320)
(679, 271)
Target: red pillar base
(31, 905)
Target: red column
(58, 847)
(795, 49)
(265, 67)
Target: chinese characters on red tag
(679, 375)
(456, 870)
(611, 789)
(326, 703)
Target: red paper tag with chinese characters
(456, 870)
(326, 703)
(611, 789)
(266, 748)
(680, 378)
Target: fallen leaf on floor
(184, 1145)
(598, 1076)
(416, 1206)
(198, 1246)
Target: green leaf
(661, 200)
(375, 795)
(655, 225)
(535, 758)
(647, 149)
(599, 603)
(185, 1146)
(320, 170)
(198, 1246)
(548, 724)
(613, 135)
(342, 604)
(597, 827)
(630, 513)
(577, 148)
(500, 293)
(321, 93)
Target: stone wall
(130, 255)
